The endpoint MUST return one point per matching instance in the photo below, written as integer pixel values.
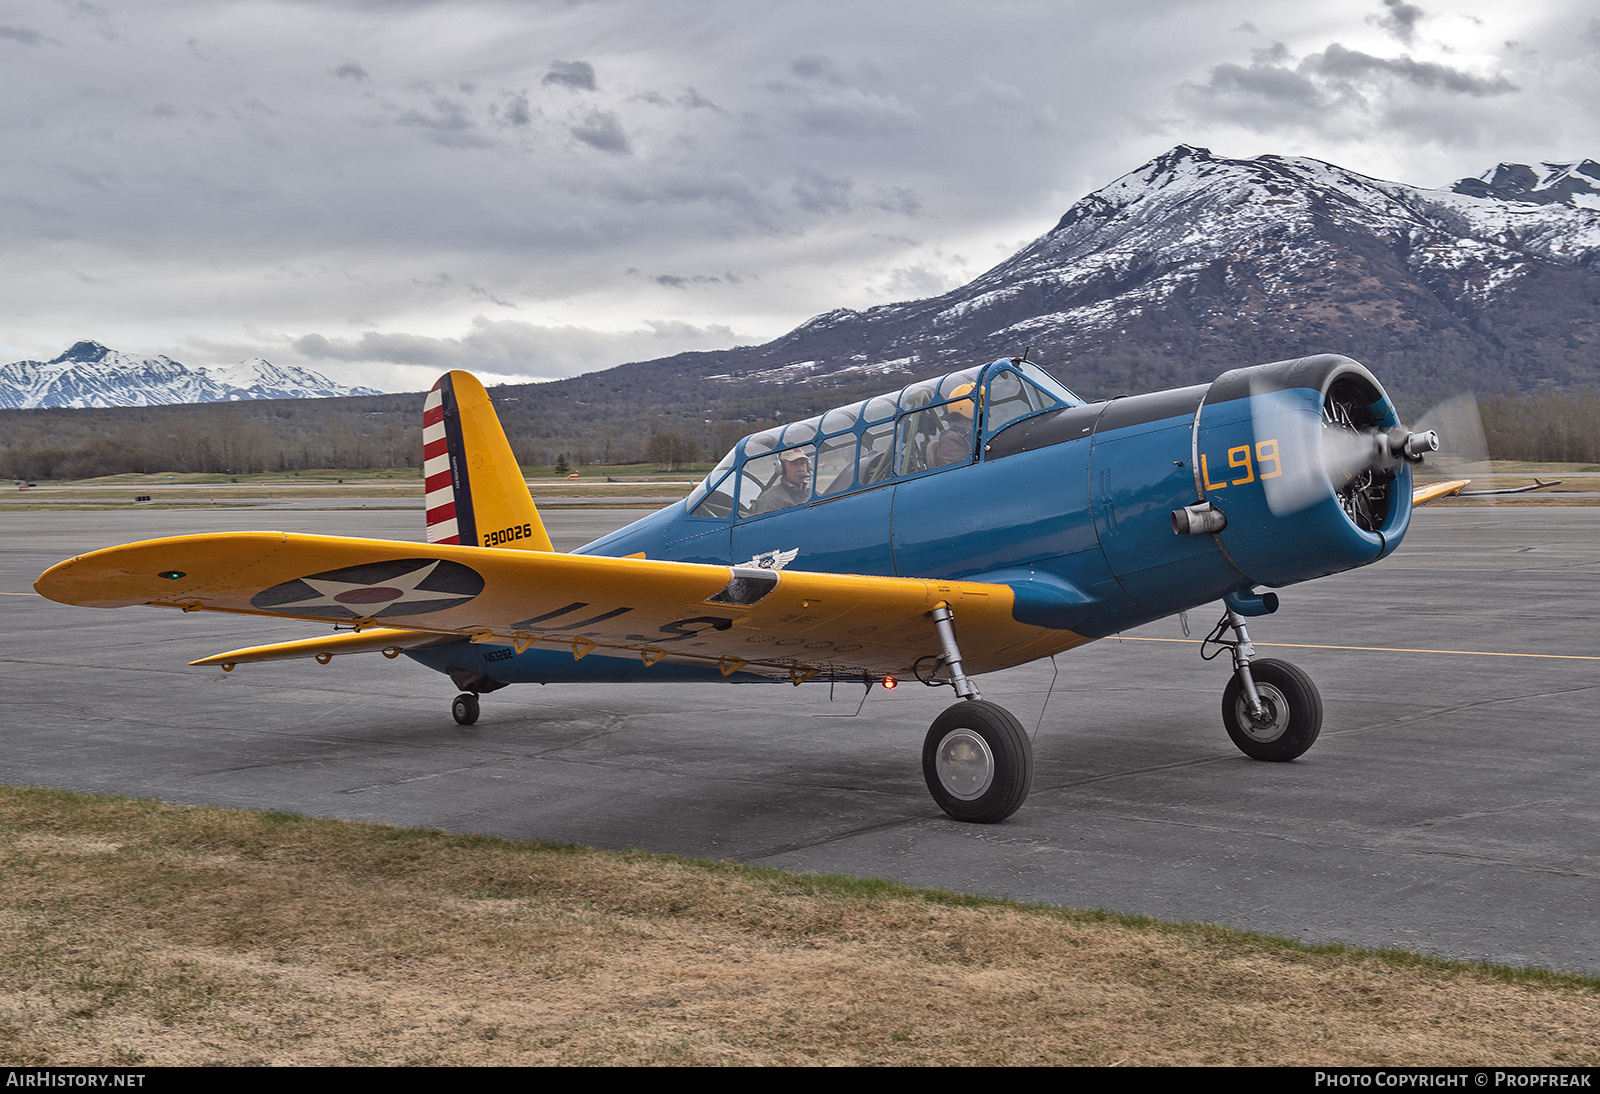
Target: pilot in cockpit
(793, 487)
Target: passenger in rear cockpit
(954, 442)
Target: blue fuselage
(1070, 505)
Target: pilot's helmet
(962, 407)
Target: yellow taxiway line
(1380, 649)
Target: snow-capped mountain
(89, 374)
(1567, 183)
(1291, 230)
(1194, 263)
(259, 378)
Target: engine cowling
(1270, 475)
(1308, 463)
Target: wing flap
(778, 622)
(389, 640)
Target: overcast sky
(535, 188)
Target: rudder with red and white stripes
(474, 492)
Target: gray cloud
(675, 281)
(693, 100)
(816, 67)
(603, 130)
(689, 99)
(514, 111)
(1352, 66)
(478, 292)
(1269, 83)
(819, 193)
(576, 75)
(350, 70)
(829, 103)
(1328, 91)
(94, 15)
(896, 199)
(95, 180)
(856, 115)
(26, 36)
(472, 290)
(1274, 54)
(1400, 20)
(518, 349)
(916, 283)
(446, 121)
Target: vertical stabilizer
(475, 493)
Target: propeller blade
(1304, 481)
(1463, 447)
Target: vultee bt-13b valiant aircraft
(958, 526)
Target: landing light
(890, 683)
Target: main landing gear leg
(1271, 709)
(976, 758)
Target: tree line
(385, 431)
(250, 438)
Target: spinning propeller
(1348, 452)
(1354, 456)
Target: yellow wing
(779, 623)
(1422, 495)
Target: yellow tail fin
(476, 495)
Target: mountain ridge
(89, 374)
(1196, 246)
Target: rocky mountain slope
(89, 374)
(1194, 263)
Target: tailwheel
(465, 709)
(978, 762)
(1290, 716)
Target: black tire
(465, 709)
(1294, 712)
(978, 762)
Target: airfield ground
(1447, 810)
(138, 934)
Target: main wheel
(1290, 720)
(978, 762)
(465, 709)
